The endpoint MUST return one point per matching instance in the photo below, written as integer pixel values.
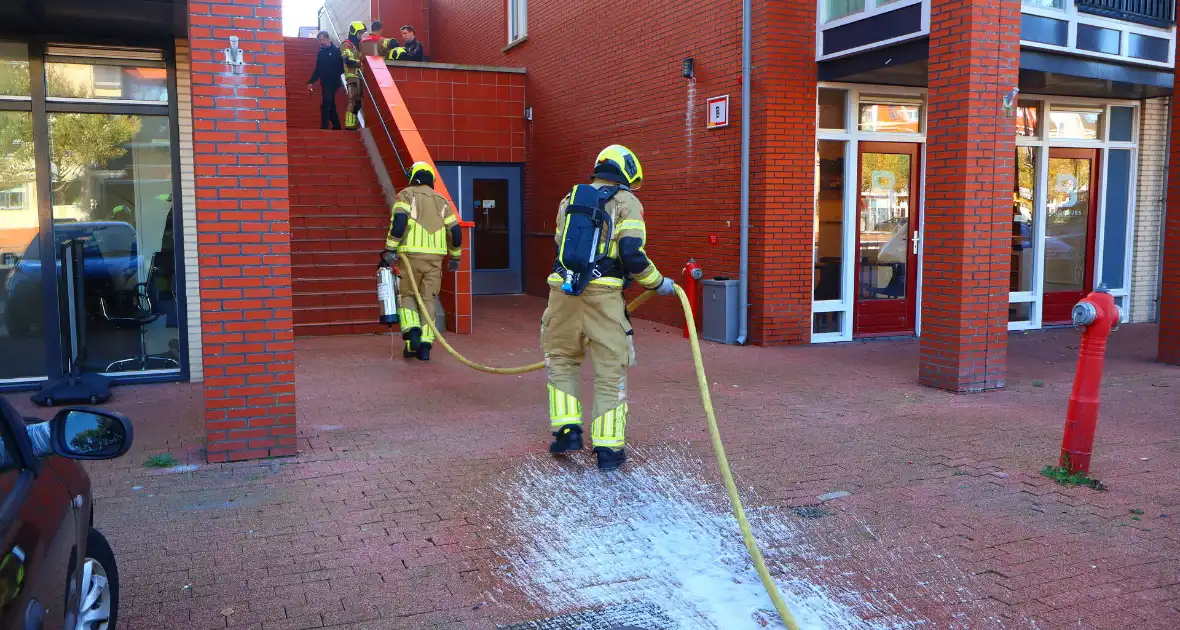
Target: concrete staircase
(338, 225)
(338, 213)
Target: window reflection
(22, 345)
(112, 186)
(14, 69)
(1028, 121)
(1067, 224)
(891, 118)
(884, 225)
(1024, 236)
(829, 219)
(1075, 124)
(106, 82)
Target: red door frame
(1056, 306)
(889, 317)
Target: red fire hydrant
(1097, 315)
(692, 286)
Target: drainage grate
(640, 616)
(810, 511)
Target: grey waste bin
(719, 310)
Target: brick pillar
(1169, 316)
(970, 163)
(782, 171)
(244, 240)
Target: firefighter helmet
(356, 28)
(619, 164)
(421, 173)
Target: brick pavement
(443, 511)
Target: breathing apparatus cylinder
(387, 295)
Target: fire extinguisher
(1097, 315)
(387, 294)
(692, 286)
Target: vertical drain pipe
(744, 227)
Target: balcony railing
(1151, 12)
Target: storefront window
(112, 188)
(106, 82)
(1075, 123)
(14, 69)
(836, 9)
(831, 109)
(829, 219)
(22, 333)
(891, 117)
(1024, 231)
(1028, 119)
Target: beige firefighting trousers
(596, 321)
(427, 270)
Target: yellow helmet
(619, 164)
(421, 173)
(356, 28)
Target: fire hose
(735, 500)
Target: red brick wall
(466, 115)
(970, 149)
(782, 170)
(240, 146)
(1169, 339)
(592, 85)
(395, 13)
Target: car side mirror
(90, 434)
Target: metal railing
(1151, 12)
(367, 93)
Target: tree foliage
(78, 142)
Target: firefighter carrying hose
(350, 53)
(600, 248)
(425, 228)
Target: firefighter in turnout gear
(600, 248)
(351, 55)
(426, 229)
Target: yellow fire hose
(706, 401)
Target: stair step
(327, 222)
(299, 259)
(360, 327)
(333, 314)
(336, 299)
(369, 248)
(336, 233)
(327, 271)
(322, 285)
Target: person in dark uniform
(414, 49)
(328, 68)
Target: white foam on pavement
(656, 533)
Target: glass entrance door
(490, 197)
(886, 243)
(1070, 215)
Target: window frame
(517, 18)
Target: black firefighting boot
(567, 438)
(413, 339)
(609, 458)
(424, 351)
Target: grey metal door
(490, 197)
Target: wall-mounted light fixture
(1010, 100)
(687, 67)
(528, 113)
(233, 54)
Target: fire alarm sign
(718, 112)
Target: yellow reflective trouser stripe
(610, 428)
(563, 408)
(408, 318)
(428, 332)
(455, 253)
(419, 241)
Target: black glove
(454, 264)
(388, 257)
